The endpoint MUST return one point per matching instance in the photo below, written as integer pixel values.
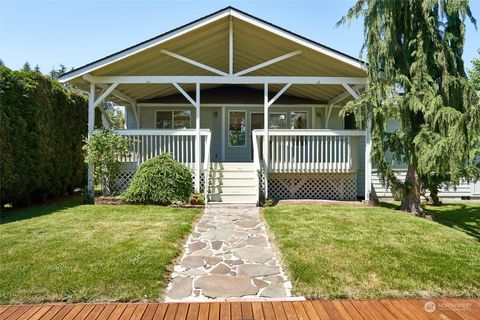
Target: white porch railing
(308, 151)
(147, 143)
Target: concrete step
(231, 166)
(229, 181)
(232, 198)
(232, 174)
(231, 189)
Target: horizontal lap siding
(462, 190)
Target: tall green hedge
(42, 127)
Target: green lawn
(341, 251)
(72, 252)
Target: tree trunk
(434, 195)
(411, 197)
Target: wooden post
(197, 140)
(266, 137)
(91, 124)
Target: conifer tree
(417, 46)
(26, 66)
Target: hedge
(43, 125)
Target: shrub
(103, 151)
(42, 127)
(160, 180)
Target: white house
(250, 107)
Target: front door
(237, 142)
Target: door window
(298, 120)
(236, 129)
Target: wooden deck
(315, 309)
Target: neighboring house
(215, 84)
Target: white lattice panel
(330, 186)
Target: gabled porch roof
(227, 46)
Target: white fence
(309, 151)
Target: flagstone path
(228, 256)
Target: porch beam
(268, 62)
(136, 113)
(275, 98)
(193, 62)
(228, 79)
(185, 94)
(105, 94)
(230, 47)
(344, 95)
(351, 91)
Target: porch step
(232, 182)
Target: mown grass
(72, 252)
(341, 251)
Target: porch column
(198, 140)
(91, 124)
(266, 136)
(368, 162)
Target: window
(298, 120)
(277, 121)
(178, 119)
(349, 121)
(236, 128)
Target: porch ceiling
(207, 42)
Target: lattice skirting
(330, 186)
(124, 178)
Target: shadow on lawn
(455, 215)
(18, 214)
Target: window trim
(172, 112)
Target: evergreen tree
(1, 63)
(417, 46)
(37, 69)
(26, 67)
(57, 72)
(474, 73)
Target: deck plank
(203, 311)
(299, 310)
(247, 312)
(193, 311)
(278, 310)
(310, 310)
(117, 312)
(149, 311)
(19, 312)
(351, 310)
(8, 312)
(182, 311)
(214, 312)
(236, 311)
(258, 311)
(161, 311)
(224, 311)
(322, 313)
(341, 310)
(364, 312)
(268, 312)
(139, 311)
(385, 309)
(128, 312)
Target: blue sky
(74, 33)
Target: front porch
(302, 163)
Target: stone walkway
(228, 256)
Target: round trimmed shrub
(160, 180)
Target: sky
(75, 33)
